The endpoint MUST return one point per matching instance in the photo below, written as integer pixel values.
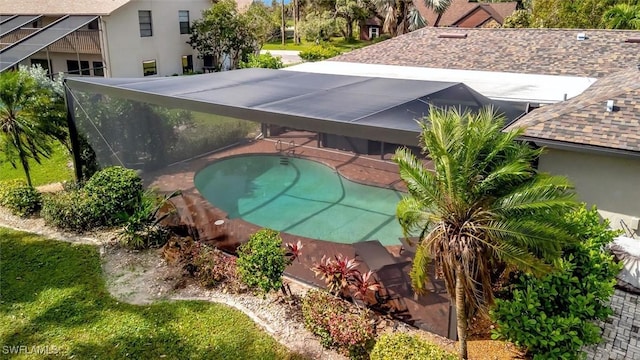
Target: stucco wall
(126, 49)
(612, 183)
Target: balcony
(80, 41)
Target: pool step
(284, 160)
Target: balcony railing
(80, 41)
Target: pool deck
(430, 312)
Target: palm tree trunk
(461, 312)
(23, 158)
(282, 24)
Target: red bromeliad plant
(336, 272)
(361, 284)
(340, 273)
(294, 251)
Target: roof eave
(583, 148)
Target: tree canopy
(224, 35)
(585, 14)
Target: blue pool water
(300, 197)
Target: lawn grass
(53, 169)
(53, 296)
(340, 43)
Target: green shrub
(261, 261)
(116, 191)
(70, 210)
(265, 61)
(553, 316)
(22, 200)
(319, 52)
(400, 346)
(7, 186)
(338, 324)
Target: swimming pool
(300, 197)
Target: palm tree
(398, 16)
(439, 6)
(484, 205)
(27, 112)
(622, 16)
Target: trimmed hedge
(116, 191)
(21, 199)
(69, 210)
(319, 52)
(261, 261)
(401, 346)
(107, 198)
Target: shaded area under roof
(363, 107)
(31, 44)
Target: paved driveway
(620, 333)
(288, 56)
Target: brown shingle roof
(59, 7)
(72, 7)
(584, 119)
(532, 51)
(460, 8)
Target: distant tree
(585, 14)
(223, 34)
(519, 19)
(30, 119)
(262, 22)
(398, 16)
(318, 26)
(622, 16)
(351, 11)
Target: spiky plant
(483, 205)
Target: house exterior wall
(609, 182)
(364, 31)
(126, 49)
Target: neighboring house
(599, 150)
(468, 14)
(112, 38)
(370, 29)
(461, 13)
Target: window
(43, 63)
(144, 17)
(98, 68)
(187, 64)
(208, 63)
(183, 18)
(374, 32)
(149, 68)
(74, 68)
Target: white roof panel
(495, 85)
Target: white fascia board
(495, 85)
